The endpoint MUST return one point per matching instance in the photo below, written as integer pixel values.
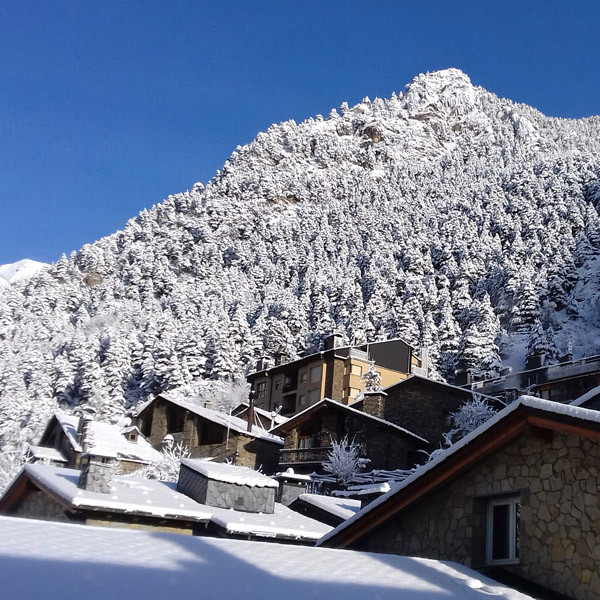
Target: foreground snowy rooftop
(148, 497)
(41, 559)
(128, 495)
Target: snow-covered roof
(43, 453)
(340, 507)
(587, 396)
(234, 423)
(283, 523)
(74, 561)
(108, 440)
(290, 475)
(152, 498)
(229, 473)
(344, 407)
(547, 406)
(129, 495)
(363, 490)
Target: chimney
(291, 486)
(462, 378)
(335, 340)
(96, 473)
(251, 411)
(374, 403)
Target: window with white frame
(503, 530)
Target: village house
(563, 381)
(422, 405)
(61, 443)
(209, 498)
(309, 435)
(517, 498)
(209, 433)
(333, 373)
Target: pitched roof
(586, 397)
(225, 420)
(327, 402)
(414, 378)
(342, 508)
(107, 440)
(68, 561)
(320, 353)
(161, 500)
(476, 446)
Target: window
(302, 400)
(314, 396)
(503, 530)
(305, 441)
(278, 384)
(315, 374)
(356, 370)
(262, 389)
(354, 392)
(303, 376)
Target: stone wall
(222, 494)
(423, 407)
(158, 418)
(556, 476)
(38, 505)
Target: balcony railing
(291, 456)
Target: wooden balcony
(294, 456)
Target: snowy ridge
(21, 270)
(444, 215)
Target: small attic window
(131, 436)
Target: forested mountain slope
(444, 215)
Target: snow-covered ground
(41, 559)
(20, 270)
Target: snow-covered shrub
(471, 415)
(343, 461)
(11, 462)
(166, 468)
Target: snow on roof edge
(528, 401)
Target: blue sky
(107, 107)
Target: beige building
(333, 373)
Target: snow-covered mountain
(19, 271)
(444, 215)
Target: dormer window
(132, 437)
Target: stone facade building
(63, 435)
(519, 498)
(209, 433)
(422, 405)
(308, 436)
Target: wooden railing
(303, 455)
